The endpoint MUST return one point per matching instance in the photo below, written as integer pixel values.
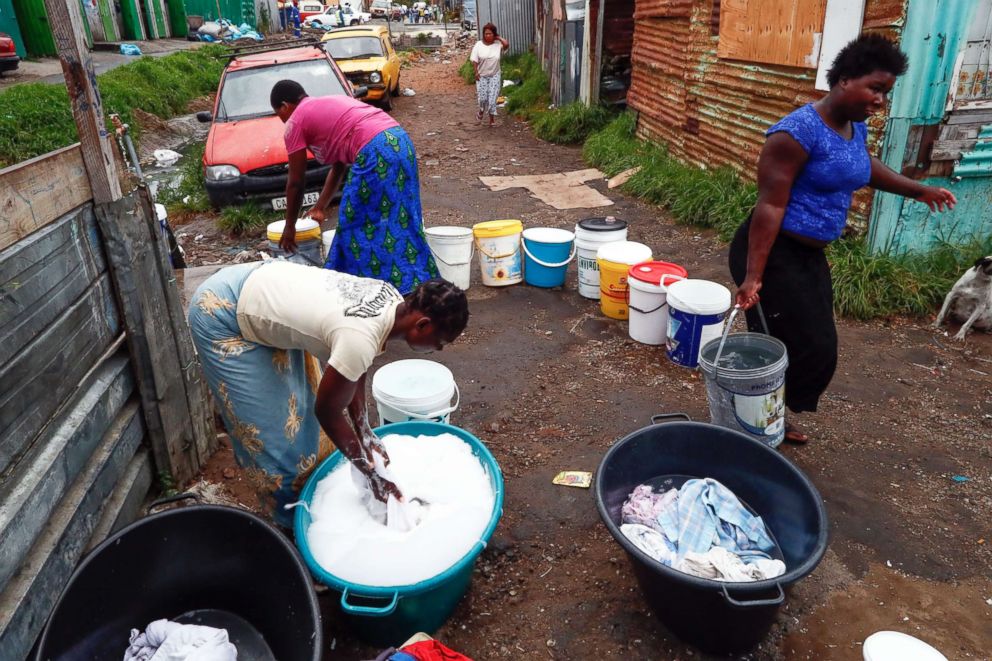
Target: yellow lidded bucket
(498, 245)
(307, 229)
(615, 260)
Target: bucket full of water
(696, 309)
(498, 244)
(308, 241)
(745, 382)
(547, 252)
(414, 390)
(615, 260)
(452, 248)
(648, 301)
(590, 235)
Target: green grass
(531, 96)
(36, 119)
(467, 72)
(571, 124)
(190, 193)
(246, 218)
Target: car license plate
(280, 202)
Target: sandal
(478, 116)
(794, 436)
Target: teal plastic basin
(387, 616)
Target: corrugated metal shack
(709, 77)
(513, 18)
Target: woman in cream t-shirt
(257, 329)
(485, 60)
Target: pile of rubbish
(224, 30)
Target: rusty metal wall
(513, 18)
(712, 112)
(618, 27)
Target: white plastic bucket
(326, 239)
(590, 235)
(452, 248)
(697, 309)
(498, 245)
(648, 284)
(414, 389)
(897, 646)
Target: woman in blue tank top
(812, 162)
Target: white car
(330, 18)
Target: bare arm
(506, 44)
(886, 179)
(295, 185)
(781, 160)
(334, 395)
(327, 192)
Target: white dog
(970, 299)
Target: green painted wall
(8, 24)
(33, 19)
(130, 21)
(932, 37)
(177, 18)
(236, 11)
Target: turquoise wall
(933, 34)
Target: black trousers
(797, 299)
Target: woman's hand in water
(383, 488)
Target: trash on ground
(622, 178)
(408, 92)
(130, 49)
(580, 479)
(508, 83)
(960, 478)
(165, 158)
(561, 190)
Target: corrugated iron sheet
(618, 27)
(513, 18)
(881, 15)
(663, 8)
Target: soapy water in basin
(348, 542)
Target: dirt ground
(549, 384)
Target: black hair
(444, 304)
(286, 91)
(867, 54)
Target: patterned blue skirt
(380, 230)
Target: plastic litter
(408, 92)
(212, 28)
(207, 38)
(580, 479)
(165, 158)
(960, 478)
(508, 83)
(130, 49)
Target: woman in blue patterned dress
(812, 162)
(380, 231)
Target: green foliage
(467, 72)
(246, 218)
(571, 124)
(36, 118)
(190, 192)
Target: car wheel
(354, 21)
(396, 88)
(387, 100)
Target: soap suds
(441, 470)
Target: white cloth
(342, 319)
(164, 640)
(487, 57)
(717, 563)
(401, 516)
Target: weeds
(245, 218)
(189, 194)
(37, 119)
(467, 72)
(571, 124)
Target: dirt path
(550, 384)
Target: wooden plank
(125, 504)
(66, 22)
(39, 191)
(151, 309)
(842, 21)
(978, 117)
(38, 482)
(785, 32)
(43, 275)
(46, 372)
(951, 150)
(27, 601)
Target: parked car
(8, 54)
(245, 156)
(366, 56)
(329, 18)
(380, 8)
(310, 8)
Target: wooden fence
(100, 389)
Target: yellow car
(366, 56)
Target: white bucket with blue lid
(697, 309)
(414, 389)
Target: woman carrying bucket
(380, 231)
(257, 327)
(812, 162)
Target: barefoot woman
(812, 162)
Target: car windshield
(245, 93)
(353, 48)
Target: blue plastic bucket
(696, 312)
(387, 616)
(547, 252)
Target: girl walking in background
(485, 59)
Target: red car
(8, 54)
(245, 156)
